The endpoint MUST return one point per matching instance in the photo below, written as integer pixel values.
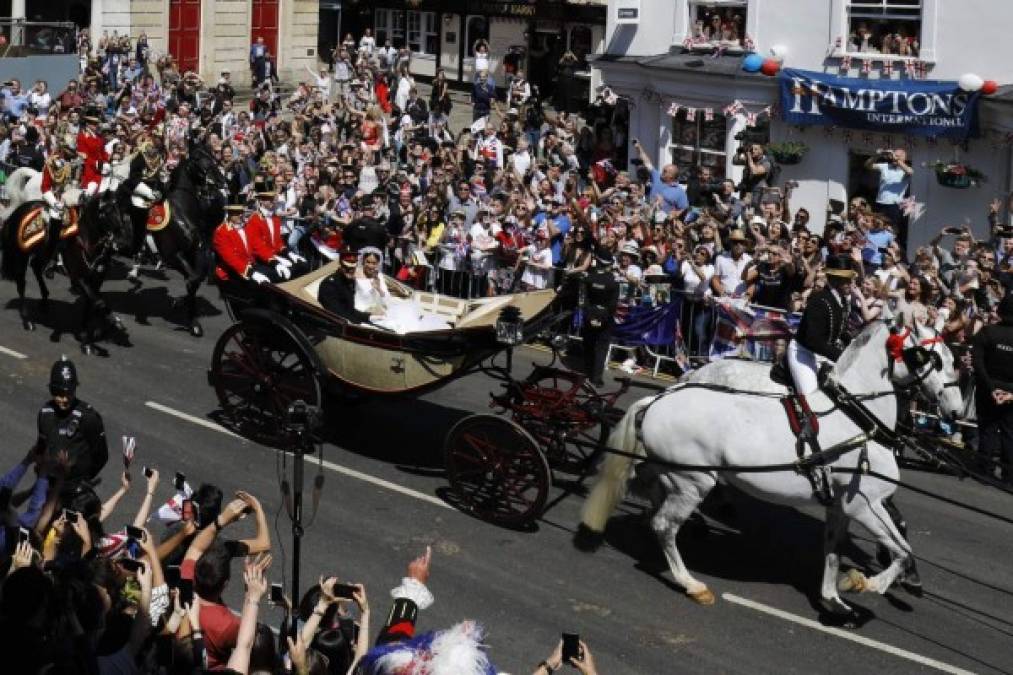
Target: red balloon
(989, 87)
(770, 67)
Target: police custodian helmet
(63, 377)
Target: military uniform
(601, 299)
(993, 369)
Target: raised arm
(109, 505)
(256, 585)
(145, 508)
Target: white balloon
(778, 52)
(970, 82)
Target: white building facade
(686, 56)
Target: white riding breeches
(802, 365)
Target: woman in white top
(40, 99)
(481, 56)
(401, 315)
(404, 88)
(696, 272)
(537, 263)
(368, 43)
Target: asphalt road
(763, 561)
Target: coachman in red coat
(240, 255)
(91, 148)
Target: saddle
(159, 216)
(32, 228)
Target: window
(699, 142)
(478, 29)
(422, 35)
(885, 27)
(389, 25)
(717, 24)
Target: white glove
(295, 257)
(107, 169)
(50, 199)
(283, 271)
(284, 262)
(260, 278)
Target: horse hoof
(702, 597)
(852, 582)
(836, 607)
(912, 583)
(87, 349)
(27, 325)
(587, 540)
(196, 330)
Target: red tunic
(235, 256)
(47, 179)
(268, 232)
(93, 148)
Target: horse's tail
(13, 262)
(610, 486)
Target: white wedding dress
(396, 314)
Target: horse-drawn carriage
(284, 346)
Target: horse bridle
(915, 358)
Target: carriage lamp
(510, 326)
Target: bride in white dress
(387, 311)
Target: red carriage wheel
(258, 371)
(497, 470)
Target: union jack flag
(741, 330)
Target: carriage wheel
(497, 471)
(258, 371)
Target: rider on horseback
(91, 149)
(56, 180)
(143, 187)
(820, 333)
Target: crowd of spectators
(82, 593)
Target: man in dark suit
(993, 372)
(820, 333)
(602, 297)
(337, 292)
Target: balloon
(752, 63)
(970, 82)
(770, 67)
(778, 52)
(989, 87)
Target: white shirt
(537, 275)
(730, 273)
(367, 44)
(482, 244)
(521, 162)
(693, 283)
(481, 61)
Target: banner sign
(917, 107)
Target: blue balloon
(752, 63)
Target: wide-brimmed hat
(630, 248)
(737, 235)
(840, 267)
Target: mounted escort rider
(92, 151)
(820, 333)
(57, 176)
(143, 187)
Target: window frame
(880, 11)
(389, 27)
(686, 15)
(698, 150)
(470, 40)
(840, 26)
(426, 29)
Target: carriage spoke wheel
(258, 371)
(497, 470)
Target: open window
(884, 27)
(717, 24)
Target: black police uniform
(601, 298)
(993, 369)
(80, 432)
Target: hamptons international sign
(917, 107)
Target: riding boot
(50, 252)
(819, 475)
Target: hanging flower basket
(958, 176)
(788, 152)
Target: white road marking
(337, 468)
(11, 352)
(846, 635)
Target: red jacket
(93, 148)
(267, 231)
(236, 256)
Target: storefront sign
(627, 11)
(917, 107)
(492, 8)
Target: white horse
(693, 425)
(24, 185)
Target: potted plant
(787, 152)
(957, 175)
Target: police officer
(993, 372)
(601, 296)
(66, 423)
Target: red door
(184, 33)
(264, 23)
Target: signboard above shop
(932, 108)
(627, 11)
